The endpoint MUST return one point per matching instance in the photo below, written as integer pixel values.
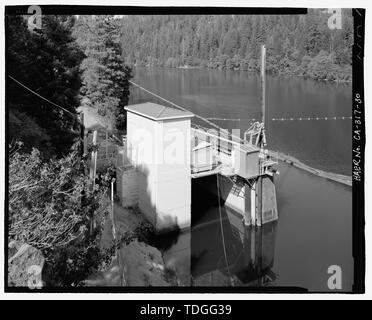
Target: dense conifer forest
(296, 45)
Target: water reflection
(313, 232)
(256, 259)
(224, 252)
(231, 94)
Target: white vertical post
(246, 217)
(106, 144)
(85, 142)
(93, 162)
(112, 209)
(122, 267)
(95, 156)
(253, 204)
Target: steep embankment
(136, 263)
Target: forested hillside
(46, 60)
(296, 45)
(52, 201)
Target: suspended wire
(207, 120)
(283, 119)
(41, 97)
(175, 105)
(222, 233)
(236, 138)
(235, 119)
(311, 118)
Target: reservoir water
(314, 230)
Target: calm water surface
(315, 215)
(322, 144)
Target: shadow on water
(249, 250)
(197, 255)
(313, 232)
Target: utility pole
(263, 94)
(263, 68)
(263, 137)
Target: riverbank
(339, 178)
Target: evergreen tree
(104, 74)
(206, 41)
(47, 61)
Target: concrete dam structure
(163, 151)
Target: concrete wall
(240, 200)
(140, 153)
(173, 180)
(269, 203)
(141, 137)
(160, 151)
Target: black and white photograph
(184, 149)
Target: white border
(172, 296)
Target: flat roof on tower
(157, 112)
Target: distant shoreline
(253, 71)
(187, 67)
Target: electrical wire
(207, 120)
(222, 233)
(234, 119)
(41, 97)
(175, 105)
(312, 118)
